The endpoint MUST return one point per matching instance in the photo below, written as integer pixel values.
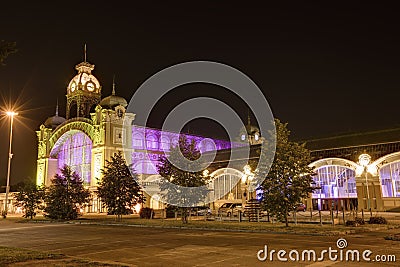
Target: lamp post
(10, 114)
(364, 160)
(246, 179)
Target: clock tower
(83, 92)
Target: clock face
(243, 137)
(90, 86)
(256, 137)
(73, 86)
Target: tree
(183, 188)
(30, 198)
(289, 179)
(65, 196)
(6, 49)
(119, 189)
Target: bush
(356, 222)
(377, 220)
(146, 213)
(360, 221)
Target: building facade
(94, 129)
(359, 171)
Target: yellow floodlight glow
(11, 113)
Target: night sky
(325, 69)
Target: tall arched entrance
(74, 148)
(335, 180)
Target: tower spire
(84, 51)
(57, 108)
(248, 117)
(113, 87)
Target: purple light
(74, 149)
(150, 143)
(157, 140)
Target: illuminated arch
(334, 161)
(387, 159)
(74, 148)
(79, 124)
(335, 177)
(389, 174)
(226, 183)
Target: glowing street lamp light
(10, 114)
(364, 160)
(247, 178)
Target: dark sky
(324, 68)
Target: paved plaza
(141, 246)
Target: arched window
(226, 184)
(390, 179)
(137, 141)
(165, 143)
(74, 149)
(151, 142)
(335, 182)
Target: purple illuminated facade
(74, 149)
(149, 143)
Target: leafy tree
(185, 196)
(65, 196)
(6, 49)
(30, 198)
(119, 189)
(289, 179)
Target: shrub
(356, 222)
(377, 220)
(360, 221)
(146, 213)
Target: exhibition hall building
(352, 171)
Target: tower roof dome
(113, 100)
(53, 121)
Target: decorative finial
(113, 88)
(85, 52)
(248, 117)
(57, 108)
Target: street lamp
(364, 160)
(247, 178)
(10, 114)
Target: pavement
(138, 246)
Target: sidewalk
(327, 229)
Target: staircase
(252, 208)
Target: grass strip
(12, 255)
